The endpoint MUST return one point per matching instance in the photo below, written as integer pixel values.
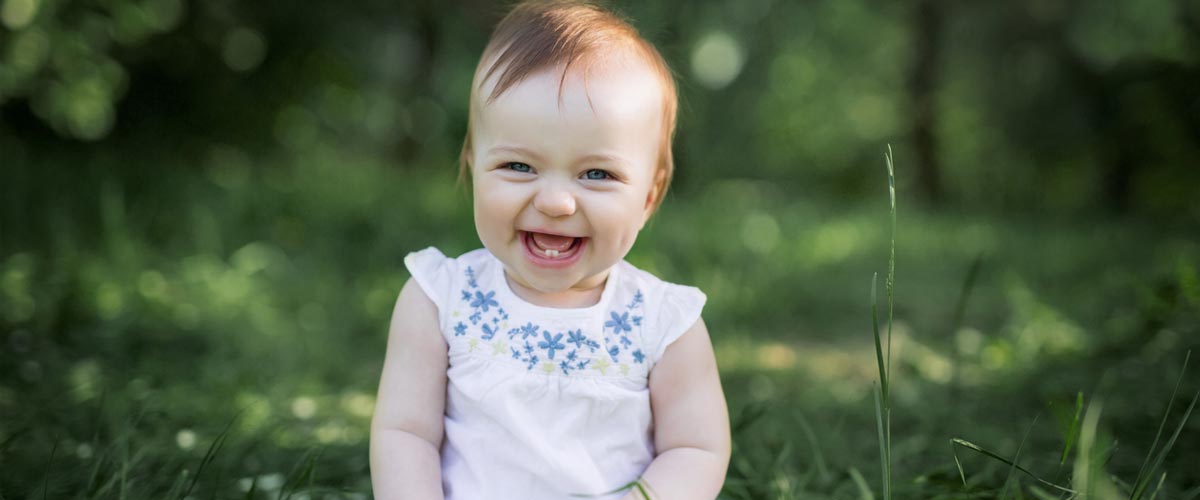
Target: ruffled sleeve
(681, 306)
(434, 272)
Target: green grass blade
(211, 454)
(1017, 457)
(49, 462)
(749, 415)
(1158, 488)
(972, 446)
(302, 471)
(891, 277)
(884, 464)
(642, 489)
(864, 491)
(1074, 429)
(253, 488)
(891, 285)
(626, 486)
(818, 454)
(1041, 494)
(962, 475)
(883, 377)
(1140, 483)
(1162, 454)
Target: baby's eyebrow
(589, 158)
(518, 150)
(602, 158)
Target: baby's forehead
(609, 94)
(597, 70)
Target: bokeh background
(204, 207)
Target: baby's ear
(655, 188)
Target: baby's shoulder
(440, 276)
(432, 260)
(646, 286)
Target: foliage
(204, 207)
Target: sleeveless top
(542, 402)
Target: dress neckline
(610, 287)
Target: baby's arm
(406, 430)
(691, 421)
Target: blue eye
(518, 167)
(596, 174)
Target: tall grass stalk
(883, 405)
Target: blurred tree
(927, 31)
(64, 57)
(1058, 104)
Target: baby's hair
(539, 35)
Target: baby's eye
(596, 174)
(518, 167)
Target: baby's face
(562, 187)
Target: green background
(204, 207)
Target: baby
(544, 366)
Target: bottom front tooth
(551, 253)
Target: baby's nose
(554, 202)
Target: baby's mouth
(552, 246)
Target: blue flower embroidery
(483, 301)
(488, 332)
(528, 349)
(551, 344)
(578, 338)
(637, 300)
(618, 323)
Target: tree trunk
(928, 20)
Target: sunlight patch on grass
(85, 380)
(185, 439)
(834, 242)
(358, 404)
(255, 411)
(304, 407)
(337, 432)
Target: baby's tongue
(552, 242)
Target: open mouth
(552, 249)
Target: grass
(217, 336)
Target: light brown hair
(539, 35)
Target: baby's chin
(557, 281)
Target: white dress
(547, 403)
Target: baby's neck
(586, 294)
